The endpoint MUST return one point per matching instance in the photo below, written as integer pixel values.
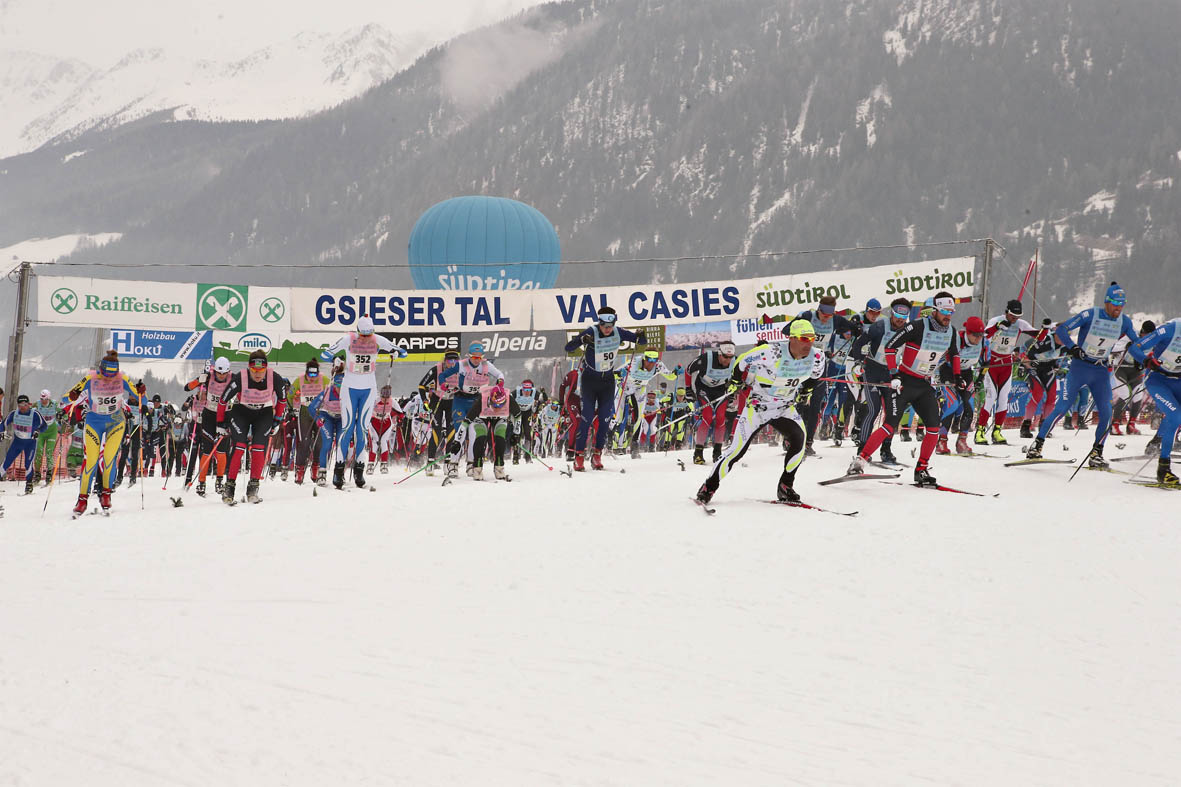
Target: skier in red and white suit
(382, 429)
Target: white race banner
(410, 311)
(917, 281)
(659, 304)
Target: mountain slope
(646, 128)
(306, 74)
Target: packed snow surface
(601, 630)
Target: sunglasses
(809, 338)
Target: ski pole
(687, 415)
(431, 463)
(205, 461)
(532, 455)
(52, 475)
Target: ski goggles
(108, 368)
(312, 371)
(257, 364)
(901, 313)
(608, 318)
(945, 306)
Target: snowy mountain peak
(55, 100)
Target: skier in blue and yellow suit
(105, 391)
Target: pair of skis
(710, 510)
(888, 478)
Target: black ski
(1020, 462)
(859, 477)
(704, 507)
(889, 465)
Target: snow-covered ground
(601, 630)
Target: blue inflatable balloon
(483, 243)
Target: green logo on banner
(64, 300)
(272, 309)
(221, 307)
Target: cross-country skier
(304, 389)
(601, 342)
(104, 393)
(259, 394)
(912, 355)
(359, 393)
(325, 412)
(639, 372)
(1128, 387)
(47, 440)
(210, 388)
(26, 423)
(1043, 355)
(571, 399)
(1160, 354)
(437, 387)
(382, 429)
(491, 425)
(781, 376)
(1004, 337)
(827, 324)
(521, 410)
(472, 373)
(708, 377)
(548, 419)
(973, 355)
(869, 350)
(1098, 331)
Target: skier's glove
(222, 429)
(896, 384)
(586, 340)
(1075, 352)
(1152, 364)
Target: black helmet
(1148, 327)
(1014, 307)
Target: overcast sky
(101, 31)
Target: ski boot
(717, 452)
(923, 477)
(338, 476)
(578, 462)
(569, 454)
(1035, 449)
(451, 470)
(597, 460)
(857, 466)
(904, 435)
(252, 491)
(1115, 430)
(1165, 475)
(516, 456)
(385, 468)
(227, 492)
(1096, 458)
(808, 449)
(359, 475)
(500, 473)
(218, 484)
(837, 437)
(704, 495)
(941, 446)
(887, 453)
(997, 437)
(80, 506)
(698, 458)
(785, 494)
(961, 445)
(981, 435)
(528, 459)
(200, 489)
(1132, 428)
(322, 477)
(1027, 429)
(29, 484)
(430, 469)
(1153, 445)
(299, 471)
(635, 452)
(283, 475)
(270, 474)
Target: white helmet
(365, 325)
(221, 365)
(44, 393)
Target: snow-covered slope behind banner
(308, 73)
(601, 630)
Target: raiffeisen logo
(129, 303)
(454, 280)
